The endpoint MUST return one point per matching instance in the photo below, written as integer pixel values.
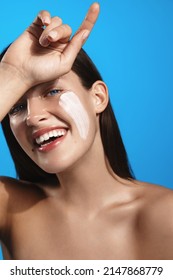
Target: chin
(55, 163)
(52, 169)
(56, 167)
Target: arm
(3, 206)
(40, 55)
(12, 88)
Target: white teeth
(41, 139)
(46, 136)
(50, 134)
(54, 133)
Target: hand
(43, 54)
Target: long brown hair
(113, 145)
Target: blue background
(132, 46)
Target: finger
(81, 35)
(55, 22)
(59, 34)
(70, 52)
(43, 18)
(90, 18)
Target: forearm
(40, 57)
(12, 87)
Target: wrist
(12, 72)
(13, 87)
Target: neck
(89, 183)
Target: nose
(36, 111)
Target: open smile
(47, 139)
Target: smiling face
(55, 123)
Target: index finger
(90, 18)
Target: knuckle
(57, 19)
(42, 12)
(67, 28)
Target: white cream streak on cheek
(70, 102)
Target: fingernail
(44, 42)
(46, 20)
(52, 34)
(85, 34)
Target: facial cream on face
(70, 102)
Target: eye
(17, 109)
(53, 92)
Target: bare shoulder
(3, 203)
(15, 196)
(156, 214)
(156, 196)
(157, 201)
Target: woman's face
(55, 123)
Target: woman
(76, 197)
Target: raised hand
(45, 50)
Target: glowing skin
(61, 103)
(70, 102)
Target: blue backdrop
(132, 45)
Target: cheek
(16, 127)
(19, 132)
(70, 102)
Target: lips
(48, 138)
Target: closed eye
(18, 108)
